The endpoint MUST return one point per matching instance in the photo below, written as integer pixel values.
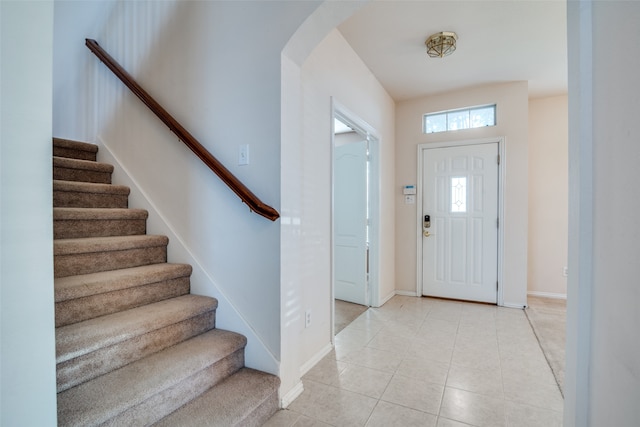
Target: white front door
(350, 222)
(460, 198)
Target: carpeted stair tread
(76, 145)
(246, 398)
(85, 337)
(88, 296)
(89, 187)
(89, 165)
(98, 214)
(69, 169)
(103, 244)
(84, 285)
(75, 194)
(95, 254)
(74, 149)
(155, 382)
(72, 223)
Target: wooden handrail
(254, 203)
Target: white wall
(332, 70)
(216, 67)
(602, 385)
(512, 123)
(548, 196)
(74, 70)
(27, 337)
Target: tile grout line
(446, 380)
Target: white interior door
(460, 248)
(350, 222)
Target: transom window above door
(464, 118)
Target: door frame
(501, 175)
(346, 116)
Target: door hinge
(496, 285)
(498, 158)
(498, 222)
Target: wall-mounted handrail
(254, 203)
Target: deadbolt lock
(426, 224)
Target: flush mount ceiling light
(441, 44)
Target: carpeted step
(73, 223)
(89, 296)
(246, 398)
(88, 349)
(66, 169)
(71, 194)
(94, 254)
(74, 149)
(143, 392)
(132, 345)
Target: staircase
(133, 346)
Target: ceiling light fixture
(441, 44)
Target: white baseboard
(384, 300)
(547, 295)
(406, 293)
(296, 391)
(306, 367)
(512, 305)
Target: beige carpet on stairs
(133, 345)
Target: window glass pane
(465, 118)
(458, 120)
(436, 123)
(485, 116)
(459, 194)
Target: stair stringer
(257, 354)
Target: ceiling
(498, 41)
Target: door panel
(350, 222)
(460, 193)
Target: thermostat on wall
(409, 189)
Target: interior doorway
(354, 216)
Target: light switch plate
(243, 155)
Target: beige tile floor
(346, 313)
(429, 362)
